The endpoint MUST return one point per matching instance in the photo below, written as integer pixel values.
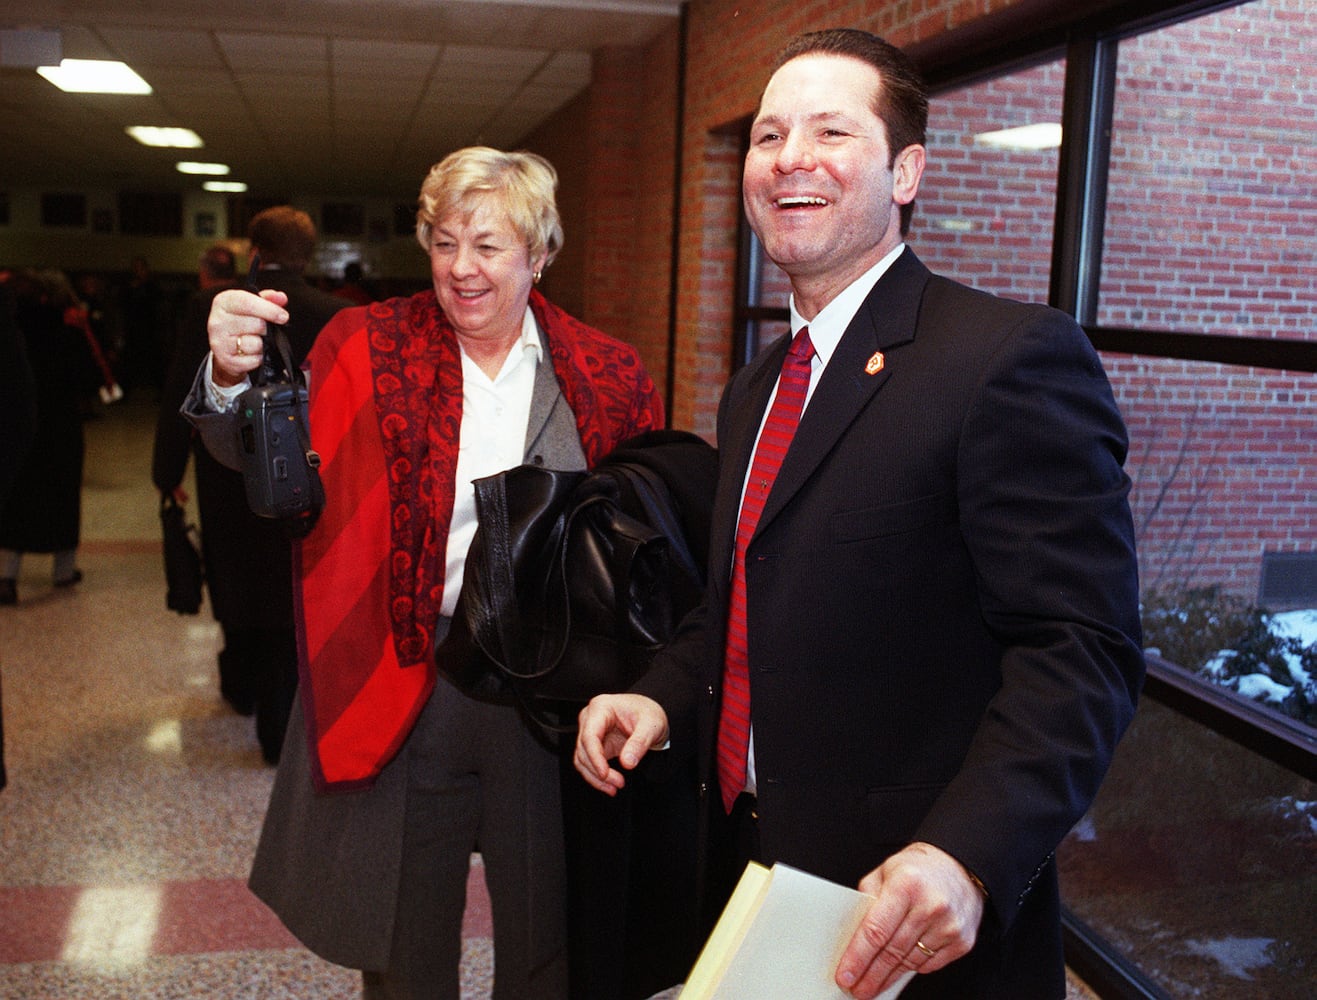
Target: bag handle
(502, 607)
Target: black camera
(279, 467)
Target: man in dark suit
(248, 559)
(938, 603)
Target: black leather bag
(573, 583)
(183, 568)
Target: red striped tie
(774, 439)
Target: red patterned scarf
(386, 411)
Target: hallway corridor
(135, 795)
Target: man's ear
(906, 174)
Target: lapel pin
(875, 363)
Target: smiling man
(920, 641)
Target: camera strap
(301, 525)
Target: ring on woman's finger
(930, 952)
(237, 345)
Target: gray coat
(329, 864)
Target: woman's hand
(236, 329)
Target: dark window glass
(1196, 864)
(58, 209)
(150, 213)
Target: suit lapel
(544, 394)
(735, 449)
(884, 321)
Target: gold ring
(237, 345)
(925, 949)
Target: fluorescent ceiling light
(94, 76)
(209, 169)
(168, 137)
(234, 187)
(1045, 135)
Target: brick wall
(614, 148)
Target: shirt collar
(527, 347)
(530, 342)
(826, 329)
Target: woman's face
(482, 272)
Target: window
(63, 210)
(1213, 133)
(1211, 219)
(984, 214)
(150, 213)
(1195, 863)
(1224, 466)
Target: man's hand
(236, 330)
(625, 726)
(926, 915)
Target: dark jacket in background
(43, 511)
(18, 403)
(248, 558)
(18, 417)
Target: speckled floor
(135, 796)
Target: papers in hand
(781, 935)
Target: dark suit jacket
(943, 608)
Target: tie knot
(801, 346)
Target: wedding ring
(237, 346)
(925, 949)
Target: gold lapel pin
(875, 363)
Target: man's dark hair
(901, 101)
(285, 236)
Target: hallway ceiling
(341, 97)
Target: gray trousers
(478, 780)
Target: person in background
(920, 641)
(354, 287)
(217, 268)
(248, 559)
(392, 776)
(144, 310)
(95, 293)
(18, 416)
(43, 511)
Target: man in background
(248, 559)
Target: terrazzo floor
(135, 795)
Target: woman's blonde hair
(523, 182)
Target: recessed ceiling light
(234, 187)
(165, 136)
(1044, 135)
(94, 76)
(210, 169)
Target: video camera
(279, 466)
